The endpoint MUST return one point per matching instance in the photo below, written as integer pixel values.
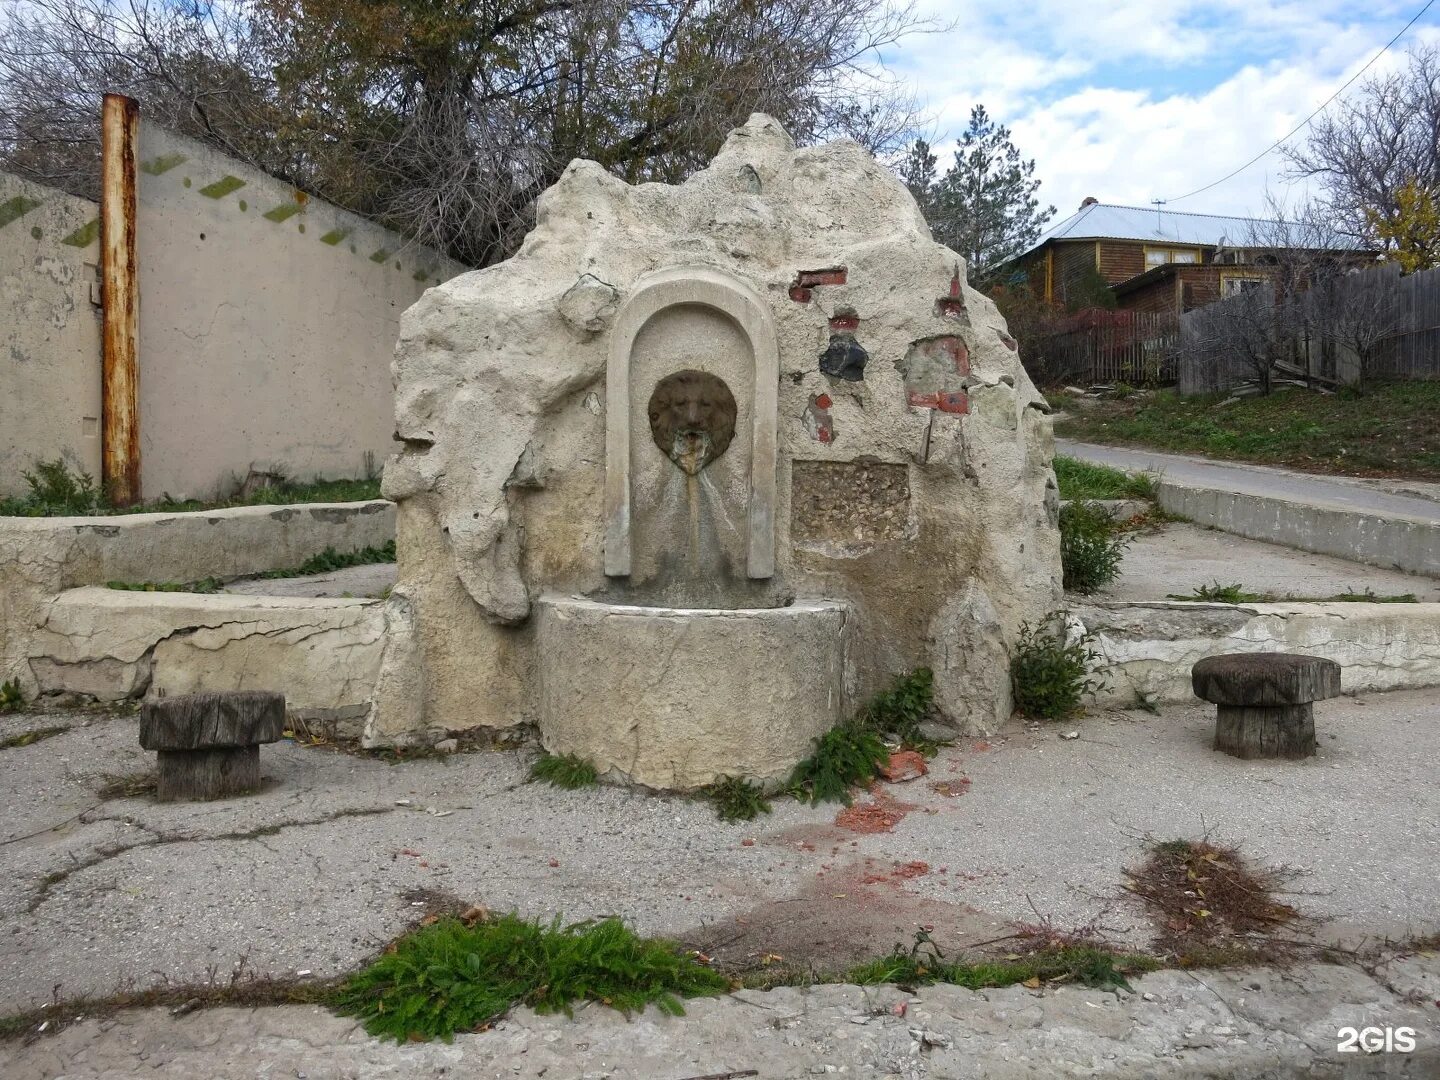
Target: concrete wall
(267, 323)
(49, 330)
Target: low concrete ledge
(40, 557)
(192, 545)
(1150, 646)
(322, 653)
(1403, 543)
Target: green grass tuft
(449, 977)
(330, 560)
(207, 585)
(1369, 597)
(1086, 964)
(844, 757)
(737, 799)
(56, 491)
(1215, 593)
(1236, 593)
(1084, 480)
(564, 771)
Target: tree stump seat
(209, 744)
(1265, 701)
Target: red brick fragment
(799, 294)
(904, 765)
(830, 275)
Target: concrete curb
(1411, 544)
(1176, 1025)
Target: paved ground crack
(160, 838)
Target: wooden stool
(1265, 701)
(209, 744)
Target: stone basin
(677, 698)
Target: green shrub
(844, 756)
(11, 700)
(54, 492)
(738, 800)
(1049, 675)
(1091, 547)
(563, 771)
(449, 976)
(900, 710)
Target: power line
(1304, 123)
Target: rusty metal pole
(120, 295)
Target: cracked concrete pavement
(319, 869)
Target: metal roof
(1102, 221)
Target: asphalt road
(1386, 498)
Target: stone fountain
(704, 465)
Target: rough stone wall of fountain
(889, 461)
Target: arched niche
(719, 291)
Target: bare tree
(197, 70)
(1356, 312)
(1299, 281)
(1238, 338)
(446, 118)
(1384, 135)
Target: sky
(1136, 100)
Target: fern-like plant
(844, 757)
(452, 976)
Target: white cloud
(1043, 70)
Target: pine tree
(917, 169)
(985, 206)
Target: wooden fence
(1099, 346)
(1400, 316)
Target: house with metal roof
(1156, 259)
